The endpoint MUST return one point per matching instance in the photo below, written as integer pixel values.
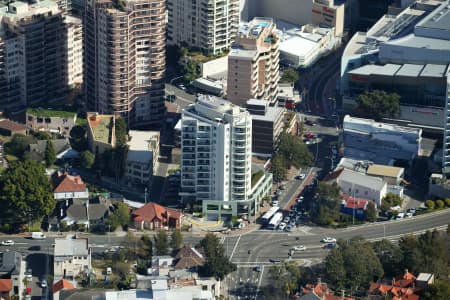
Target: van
(400, 216)
(37, 236)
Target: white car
(8, 243)
(44, 283)
(329, 240)
(301, 176)
(282, 226)
(299, 248)
(300, 199)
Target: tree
(328, 204)
(26, 193)
(371, 212)
(447, 202)
(211, 245)
(279, 168)
(19, 144)
(284, 282)
(78, 139)
(290, 75)
(120, 216)
(440, 290)
(87, 159)
(176, 239)
(217, 264)
(294, 151)
(378, 104)
(50, 155)
(121, 131)
(161, 243)
(440, 204)
(430, 204)
(334, 264)
(390, 256)
(389, 201)
(42, 135)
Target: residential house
(358, 184)
(161, 265)
(61, 147)
(49, 120)
(71, 258)
(189, 258)
(101, 132)
(142, 156)
(9, 128)
(90, 213)
(12, 268)
(320, 291)
(67, 186)
(354, 206)
(61, 285)
(405, 286)
(154, 216)
(6, 287)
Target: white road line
(235, 246)
(259, 282)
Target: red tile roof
(401, 288)
(188, 258)
(12, 126)
(62, 285)
(63, 182)
(5, 285)
(354, 203)
(152, 210)
(322, 291)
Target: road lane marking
(235, 246)
(259, 282)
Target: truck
(37, 236)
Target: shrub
(430, 204)
(440, 203)
(447, 202)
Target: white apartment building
(142, 156)
(210, 25)
(216, 145)
(71, 257)
(74, 50)
(253, 63)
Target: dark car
(35, 248)
(274, 260)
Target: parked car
(300, 199)
(288, 228)
(274, 260)
(328, 240)
(43, 283)
(282, 226)
(292, 222)
(29, 275)
(292, 213)
(7, 243)
(286, 219)
(299, 248)
(300, 176)
(275, 203)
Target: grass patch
(48, 113)
(10, 157)
(256, 177)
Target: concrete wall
(292, 11)
(215, 66)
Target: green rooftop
(102, 127)
(49, 113)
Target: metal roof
(409, 70)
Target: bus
(275, 221)
(269, 214)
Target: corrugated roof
(382, 170)
(409, 70)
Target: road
(267, 245)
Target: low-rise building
(320, 291)
(12, 269)
(9, 128)
(382, 143)
(154, 216)
(71, 258)
(59, 286)
(359, 185)
(287, 95)
(61, 147)
(392, 175)
(354, 206)
(189, 258)
(267, 124)
(67, 186)
(438, 186)
(49, 120)
(101, 132)
(142, 156)
(6, 288)
(89, 213)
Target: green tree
(284, 281)
(50, 155)
(334, 264)
(121, 131)
(430, 204)
(176, 239)
(389, 201)
(440, 290)
(328, 204)
(87, 159)
(440, 203)
(42, 135)
(279, 168)
(211, 245)
(191, 71)
(390, 256)
(19, 144)
(447, 202)
(26, 193)
(378, 104)
(161, 243)
(371, 212)
(294, 151)
(217, 264)
(120, 216)
(290, 75)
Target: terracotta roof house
(61, 285)
(154, 216)
(320, 291)
(402, 287)
(5, 289)
(355, 206)
(67, 186)
(8, 127)
(189, 258)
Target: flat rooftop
(272, 114)
(439, 18)
(102, 127)
(71, 247)
(50, 113)
(255, 27)
(369, 123)
(406, 70)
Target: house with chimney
(153, 216)
(321, 291)
(402, 287)
(67, 186)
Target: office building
(216, 166)
(33, 55)
(125, 59)
(207, 25)
(326, 14)
(253, 63)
